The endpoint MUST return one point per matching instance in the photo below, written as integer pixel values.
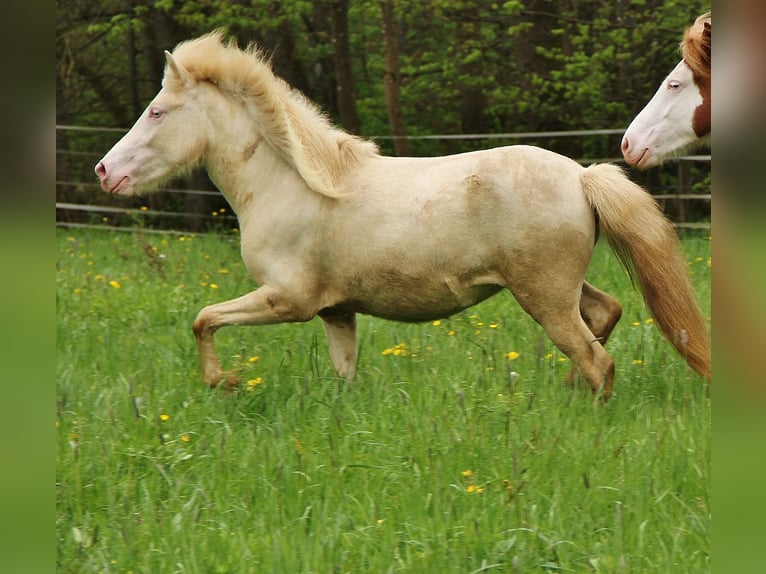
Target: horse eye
(674, 85)
(155, 113)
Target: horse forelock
(291, 124)
(696, 46)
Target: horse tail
(648, 247)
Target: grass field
(457, 449)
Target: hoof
(227, 381)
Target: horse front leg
(340, 329)
(264, 306)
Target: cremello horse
(678, 116)
(331, 228)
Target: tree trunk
(345, 87)
(391, 79)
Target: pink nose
(101, 171)
(625, 145)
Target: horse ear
(178, 71)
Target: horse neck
(702, 115)
(247, 170)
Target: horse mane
(696, 46)
(291, 124)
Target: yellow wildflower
(512, 356)
(252, 383)
(467, 473)
(164, 417)
(436, 323)
(115, 284)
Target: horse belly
(399, 297)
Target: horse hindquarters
(547, 279)
(647, 244)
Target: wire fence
(194, 205)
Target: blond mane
(292, 125)
(696, 46)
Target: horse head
(167, 138)
(678, 115)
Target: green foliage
(521, 65)
(458, 448)
(468, 67)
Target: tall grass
(457, 449)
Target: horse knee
(202, 326)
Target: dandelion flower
(649, 321)
(115, 284)
(493, 325)
(638, 362)
(253, 359)
(252, 383)
(164, 417)
(467, 473)
(636, 324)
(185, 437)
(512, 356)
(436, 323)
(451, 333)
(214, 285)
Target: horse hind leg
(601, 312)
(567, 329)
(590, 360)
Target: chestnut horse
(678, 116)
(330, 228)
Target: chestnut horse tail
(648, 247)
